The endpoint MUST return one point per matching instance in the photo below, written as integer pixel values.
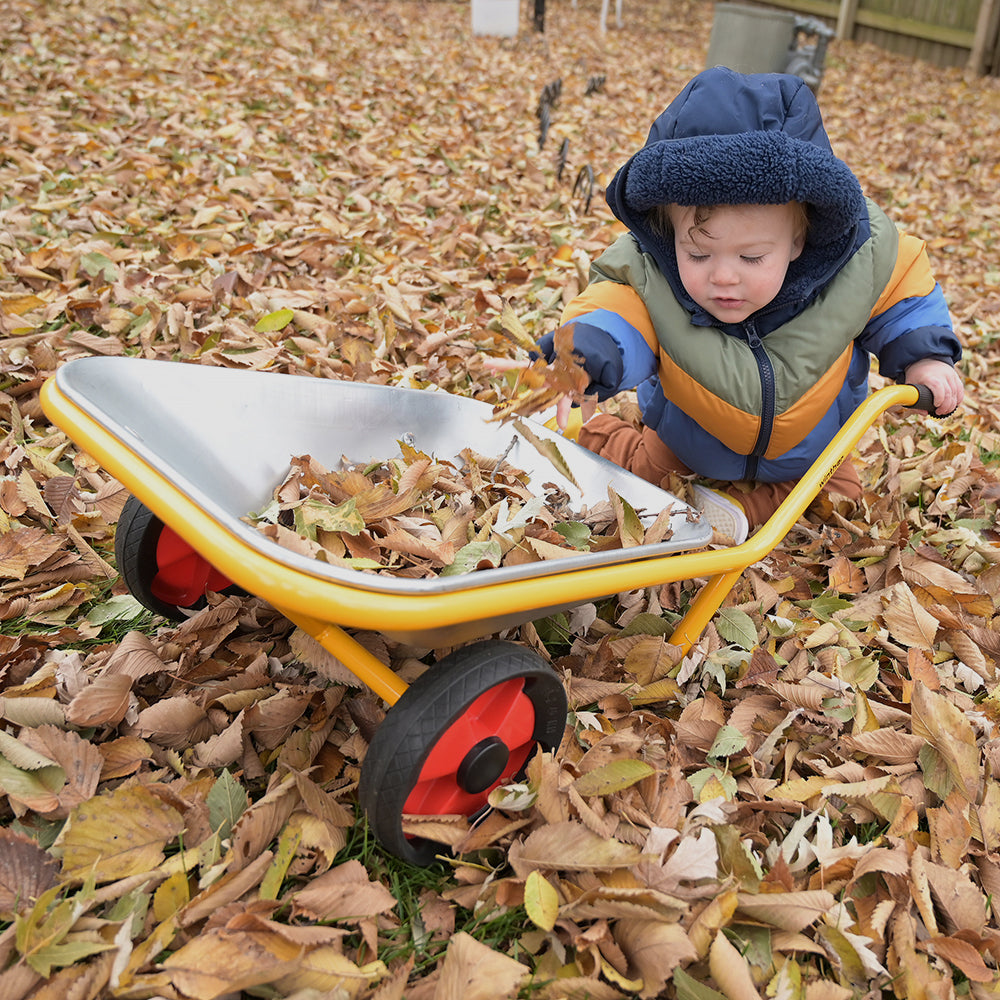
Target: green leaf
(475, 555)
(688, 988)
(728, 741)
(21, 756)
(97, 265)
(646, 624)
(226, 801)
(61, 955)
(120, 608)
(824, 608)
(44, 935)
(861, 672)
(737, 627)
(313, 514)
(288, 844)
(274, 321)
(700, 778)
(779, 627)
(361, 563)
(541, 901)
(576, 533)
(631, 528)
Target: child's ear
(798, 244)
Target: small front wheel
(467, 725)
(162, 572)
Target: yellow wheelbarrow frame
(323, 610)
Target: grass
(498, 928)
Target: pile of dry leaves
(416, 516)
(805, 805)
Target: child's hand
(943, 381)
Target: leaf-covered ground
(805, 806)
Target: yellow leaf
(119, 834)
(541, 901)
(547, 449)
(613, 777)
(288, 844)
(711, 919)
(274, 321)
(326, 971)
(172, 894)
(511, 324)
(800, 789)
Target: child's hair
(659, 219)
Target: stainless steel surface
(224, 437)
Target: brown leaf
(909, 623)
(343, 893)
(174, 722)
(102, 703)
(26, 871)
(80, 760)
(23, 548)
(955, 755)
(964, 956)
(791, 911)
(473, 971)
(572, 847)
(654, 950)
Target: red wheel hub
(486, 745)
(182, 576)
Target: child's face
(734, 263)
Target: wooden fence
(944, 32)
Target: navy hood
(730, 139)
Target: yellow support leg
(368, 668)
(703, 608)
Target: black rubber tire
(137, 536)
(423, 715)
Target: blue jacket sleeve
(613, 353)
(910, 330)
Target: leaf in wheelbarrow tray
(415, 516)
(548, 449)
(475, 555)
(313, 514)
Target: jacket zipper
(767, 399)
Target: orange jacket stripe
(911, 276)
(617, 298)
(811, 406)
(736, 428)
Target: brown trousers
(643, 453)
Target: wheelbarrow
(199, 447)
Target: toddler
(745, 300)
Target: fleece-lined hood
(730, 138)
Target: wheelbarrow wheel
(162, 572)
(467, 725)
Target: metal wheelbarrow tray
(199, 447)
